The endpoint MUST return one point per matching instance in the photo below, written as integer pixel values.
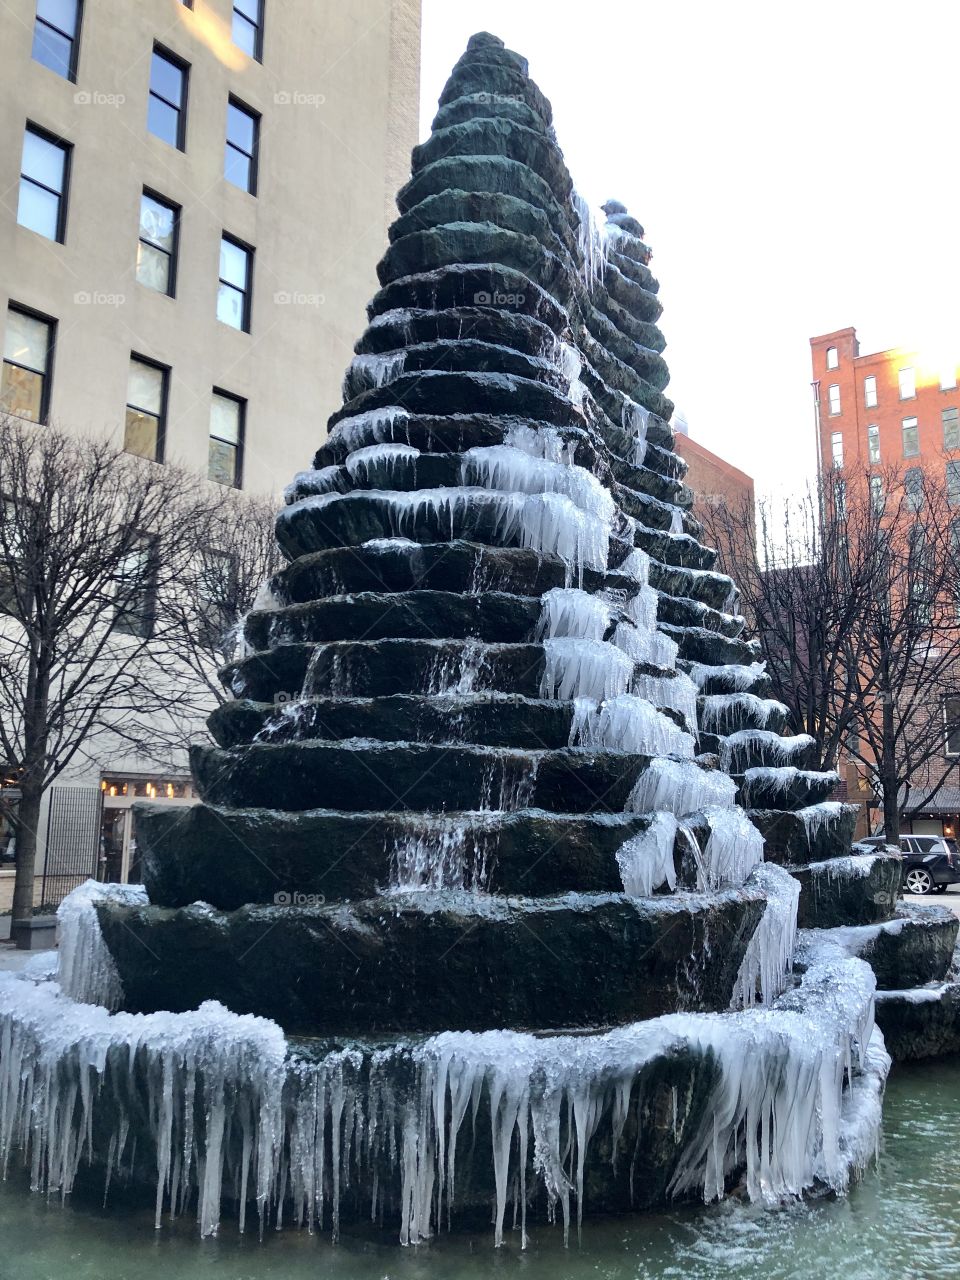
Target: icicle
(721, 712)
(372, 370)
(740, 747)
(86, 971)
(733, 849)
(584, 669)
(646, 860)
(628, 723)
(769, 957)
(381, 464)
(680, 787)
(738, 676)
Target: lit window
(836, 448)
(226, 438)
(948, 378)
(873, 443)
(911, 438)
(156, 252)
(27, 358)
(951, 428)
(166, 106)
(870, 392)
(240, 156)
(951, 720)
(876, 494)
(833, 358)
(136, 588)
(833, 396)
(43, 180)
(56, 32)
(913, 487)
(953, 484)
(233, 295)
(146, 409)
(248, 27)
(908, 386)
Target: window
(136, 588)
(911, 438)
(248, 27)
(243, 138)
(833, 396)
(951, 721)
(836, 448)
(167, 104)
(56, 36)
(157, 250)
(953, 484)
(873, 443)
(833, 358)
(840, 498)
(876, 495)
(44, 168)
(951, 428)
(913, 487)
(908, 387)
(948, 378)
(146, 409)
(233, 296)
(227, 415)
(870, 392)
(217, 597)
(27, 359)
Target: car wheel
(917, 880)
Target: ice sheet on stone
(741, 677)
(372, 370)
(680, 787)
(767, 964)
(720, 712)
(86, 971)
(628, 723)
(381, 463)
(739, 747)
(584, 669)
(646, 860)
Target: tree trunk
(27, 824)
(889, 780)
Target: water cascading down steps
(481, 912)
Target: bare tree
(853, 589)
(91, 539)
(204, 611)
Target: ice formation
(646, 860)
(628, 723)
(680, 787)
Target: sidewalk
(11, 959)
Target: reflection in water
(904, 1219)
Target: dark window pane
(951, 428)
(240, 128)
(163, 121)
(42, 160)
(60, 13)
(223, 462)
(52, 50)
(238, 168)
(244, 35)
(230, 306)
(166, 79)
(140, 434)
(21, 392)
(153, 267)
(39, 210)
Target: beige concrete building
(194, 199)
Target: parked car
(930, 863)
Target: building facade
(896, 409)
(196, 194)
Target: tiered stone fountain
(482, 905)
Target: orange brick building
(897, 408)
(714, 482)
(892, 406)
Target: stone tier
(809, 834)
(848, 890)
(229, 857)
(404, 963)
(914, 948)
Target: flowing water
(903, 1220)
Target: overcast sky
(794, 165)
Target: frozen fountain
(486, 909)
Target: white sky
(794, 165)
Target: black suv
(929, 862)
